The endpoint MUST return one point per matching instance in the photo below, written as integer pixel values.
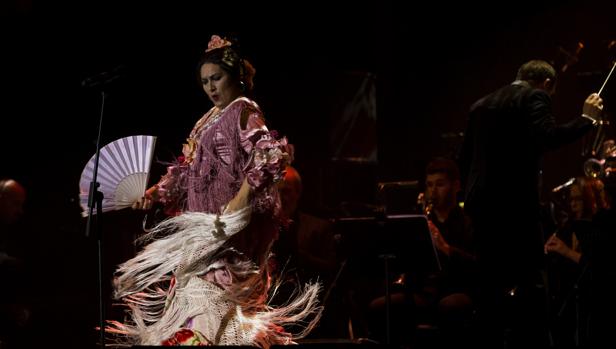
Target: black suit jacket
(508, 131)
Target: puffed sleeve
(269, 154)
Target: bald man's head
(12, 200)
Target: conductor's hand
(593, 106)
(146, 202)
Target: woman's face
(576, 201)
(218, 85)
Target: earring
(242, 86)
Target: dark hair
(536, 71)
(444, 165)
(230, 60)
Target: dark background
(431, 62)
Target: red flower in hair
(217, 42)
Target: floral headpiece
(217, 42)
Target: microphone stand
(95, 199)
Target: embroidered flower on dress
(188, 149)
(217, 42)
(187, 337)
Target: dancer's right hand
(146, 202)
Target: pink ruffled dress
(203, 279)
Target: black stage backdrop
(423, 66)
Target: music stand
(399, 243)
(399, 197)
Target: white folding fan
(123, 172)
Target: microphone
(103, 78)
(564, 185)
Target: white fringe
(195, 235)
(157, 310)
(187, 238)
